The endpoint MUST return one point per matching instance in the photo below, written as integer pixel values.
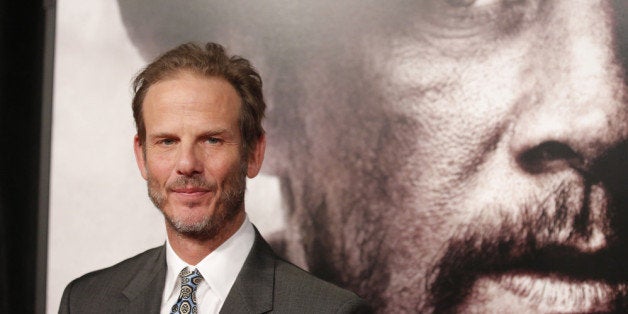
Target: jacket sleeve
(64, 306)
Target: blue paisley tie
(187, 299)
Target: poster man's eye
(468, 3)
(476, 21)
(460, 3)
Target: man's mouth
(553, 280)
(545, 293)
(190, 190)
(190, 193)
(501, 276)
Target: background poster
(432, 156)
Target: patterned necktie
(187, 299)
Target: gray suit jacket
(265, 284)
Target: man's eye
(213, 140)
(166, 142)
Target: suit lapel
(252, 292)
(145, 289)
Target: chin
(186, 219)
(197, 228)
(195, 222)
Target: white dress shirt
(219, 270)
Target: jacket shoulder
(120, 273)
(102, 290)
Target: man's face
(191, 158)
(471, 149)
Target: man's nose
(575, 111)
(189, 160)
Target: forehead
(187, 98)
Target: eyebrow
(161, 135)
(219, 131)
(215, 132)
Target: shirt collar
(220, 268)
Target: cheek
(159, 167)
(221, 166)
(446, 129)
(455, 112)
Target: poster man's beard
(536, 241)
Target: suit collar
(146, 286)
(229, 258)
(252, 291)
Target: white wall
(99, 211)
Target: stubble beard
(529, 244)
(227, 207)
(530, 240)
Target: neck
(193, 250)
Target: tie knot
(190, 278)
(187, 298)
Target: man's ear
(140, 157)
(256, 157)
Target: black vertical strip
(22, 25)
(45, 156)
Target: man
(446, 155)
(198, 114)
